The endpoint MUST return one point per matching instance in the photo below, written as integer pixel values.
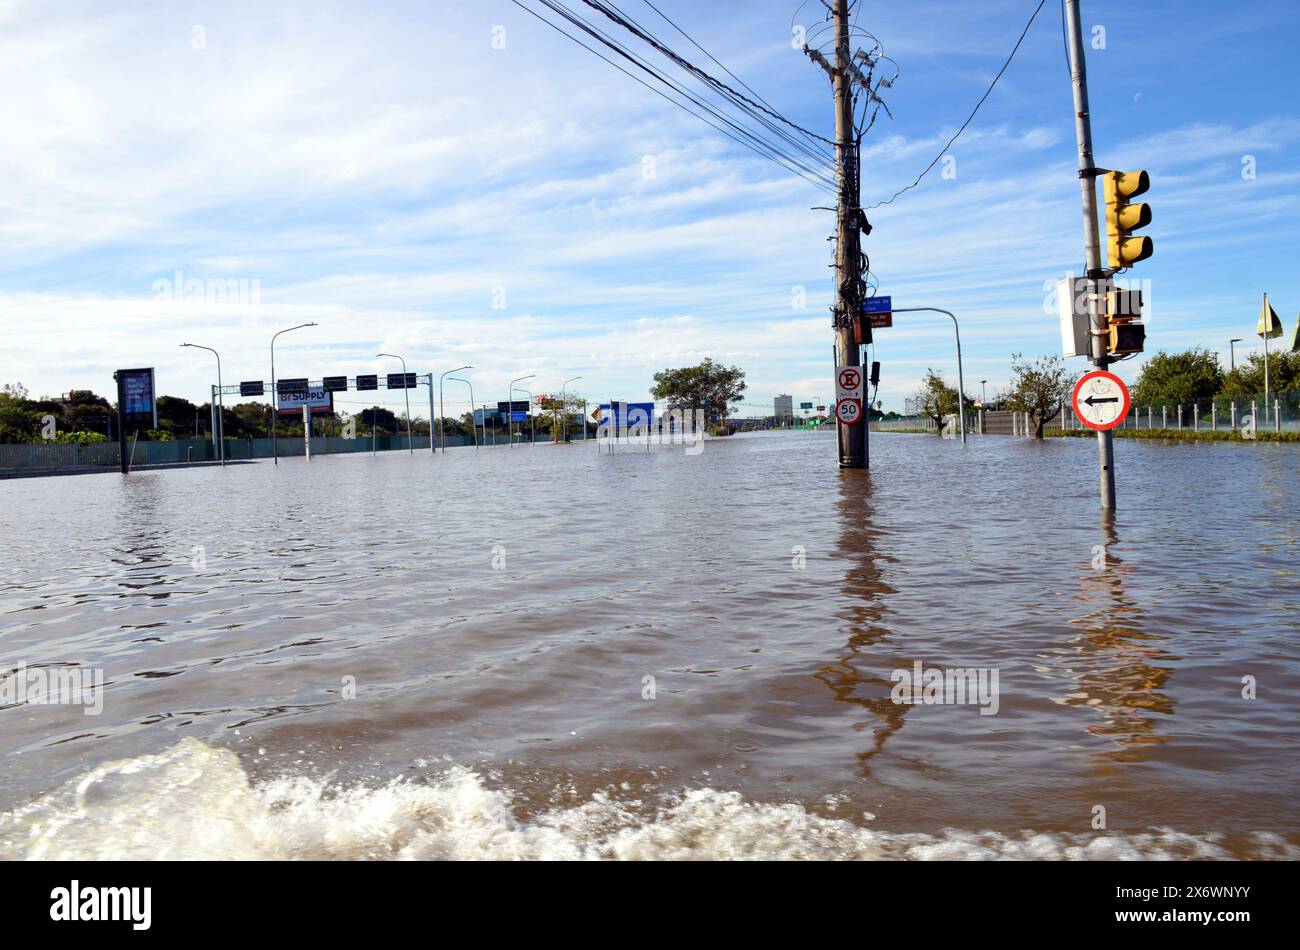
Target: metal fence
(906, 423)
(1279, 413)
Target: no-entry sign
(1101, 400)
(848, 411)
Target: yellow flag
(1269, 325)
(1295, 337)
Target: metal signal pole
(1091, 241)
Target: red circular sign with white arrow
(848, 411)
(1101, 400)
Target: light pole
(961, 386)
(442, 412)
(221, 412)
(984, 393)
(564, 407)
(532, 432)
(473, 427)
(1232, 354)
(275, 395)
(510, 416)
(406, 392)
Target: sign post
(306, 431)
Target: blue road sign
(878, 305)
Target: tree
(181, 418)
(562, 411)
(382, 419)
(1039, 389)
(709, 387)
(936, 399)
(1248, 380)
(1170, 378)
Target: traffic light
(1124, 332)
(1122, 218)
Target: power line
(617, 17)
(746, 106)
(816, 152)
(762, 148)
(729, 72)
(987, 92)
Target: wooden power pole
(849, 219)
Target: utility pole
(849, 218)
(1095, 275)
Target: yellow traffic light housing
(1121, 323)
(1122, 248)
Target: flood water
(552, 652)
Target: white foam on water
(196, 802)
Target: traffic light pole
(1091, 239)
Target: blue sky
(383, 170)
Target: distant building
(784, 407)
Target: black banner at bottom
(915, 900)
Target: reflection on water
(1115, 667)
(344, 629)
(850, 679)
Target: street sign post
(1101, 400)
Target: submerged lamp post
(406, 391)
(221, 411)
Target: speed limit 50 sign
(849, 411)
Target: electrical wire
(819, 153)
(970, 117)
(746, 137)
(745, 104)
(731, 74)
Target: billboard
(627, 414)
(136, 403)
(320, 399)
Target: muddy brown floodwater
(548, 651)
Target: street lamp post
(510, 414)
(564, 408)
(961, 385)
(275, 396)
(221, 411)
(442, 411)
(473, 426)
(1232, 354)
(406, 392)
(532, 431)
